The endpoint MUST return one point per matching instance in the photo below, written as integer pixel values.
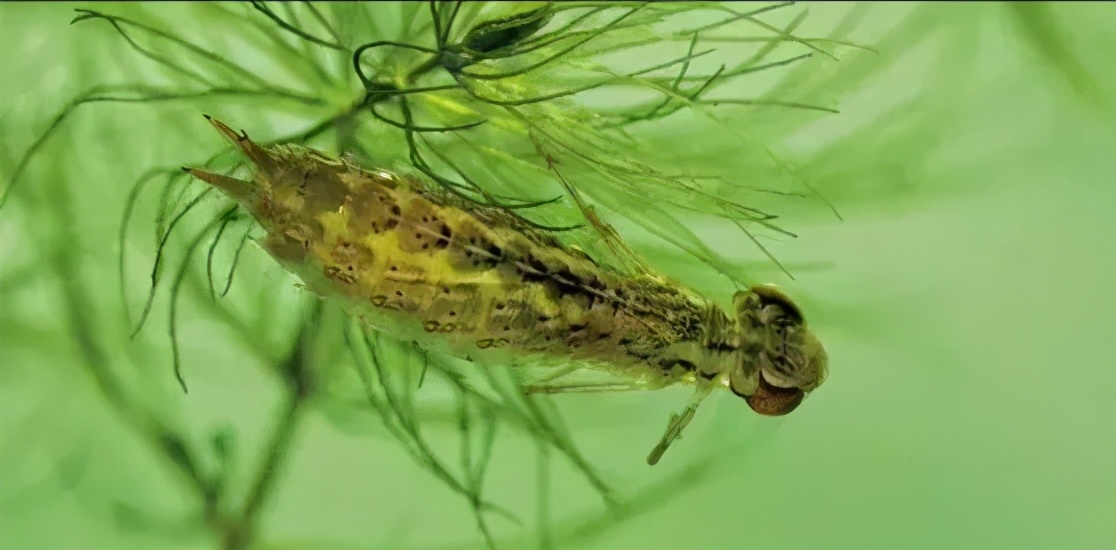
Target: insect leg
(592, 387)
(561, 373)
(678, 422)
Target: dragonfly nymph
(418, 263)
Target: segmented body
(422, 264)
(428, 266)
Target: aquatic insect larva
(424, 265)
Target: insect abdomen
(398, 250)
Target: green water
(967, 300)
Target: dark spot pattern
(445, 237)
(424, 229)
(472, 249)
(565, 298)
(371, 209)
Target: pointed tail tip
(238, 189)
(255, 152)
(226, 131)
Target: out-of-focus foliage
(702, 135)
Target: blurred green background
(967, 300)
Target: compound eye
(769, 400)
(772, 297)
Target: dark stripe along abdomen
(475, 275)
